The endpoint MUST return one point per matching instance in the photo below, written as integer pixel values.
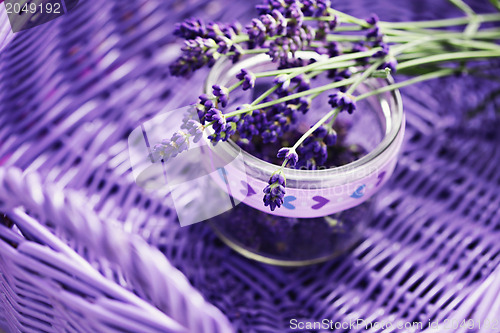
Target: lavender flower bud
(304, 104)
(297, 17)
(222, 93)
(382, 53)
(331, 137)
(195, 129)
(283, 80)
(248, 79)
(343, 101)
(373, 19)
(374, 33)
(216, 116)
(280, 22)
(190, 29)
(289, 155)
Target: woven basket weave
(84, 249)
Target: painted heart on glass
(321, 201)
(247, 190)
(360, 191)
(380, 178)
(287, 200)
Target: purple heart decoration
(287, 200)
(321, 201)
(247, 190)
(380, 178)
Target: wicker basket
(84, 249)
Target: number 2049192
(49, 8)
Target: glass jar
(324, 211)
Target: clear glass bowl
(325, 210)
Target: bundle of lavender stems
(353, 50)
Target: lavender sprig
(354, 50)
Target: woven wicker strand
(138, 264)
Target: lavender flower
(216, 116)
(274, 193)
(382, 53)
(289, 155)
(296, 16)
(325, 27)
(374, 33)
(195, 129)
(236, 51)
(190, 29)
(331, 137)
(302, 82)
(222, 93)
(204, 104)
(248, 79)
(304, 104)
(280, 22)
(283, 80)
(197, 53)
(256, 31)
(171, 148)
(373, 19)
(343, 101)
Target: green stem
(236, 85)
(301, 70)
(348, 18)
(343, 64)
(440, 23)
(449, 57)
(425, 77)
(313, 91)
(332, 121)
(254, 51)
(463, 7)
(364, 76)
(321, 18)
(336, 111)
(315, 127)
(265, 94)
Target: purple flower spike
(343, 101)
(190, 29)
(331, 137)
(304, 104)
(222, 93)
(274, 193)
(218, 118)
(179, 141)
(280, 22)
(382, 53)
(297, 17)
(374, 33)
(284, 80)
(248, 79)
(171, 148)
(256, 31)
(195, 129)
(289, 155)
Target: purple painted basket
(84, 249)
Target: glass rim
(364, 162)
